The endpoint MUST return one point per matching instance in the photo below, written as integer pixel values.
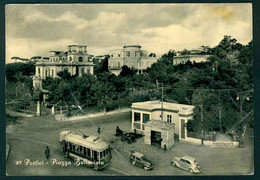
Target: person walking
(98, 130)
(47, 152)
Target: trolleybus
(86, 150)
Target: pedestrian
(98, 130)
(165, 147)
(47, 152)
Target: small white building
(192, 58)
(146, 118)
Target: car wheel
(133, 162)
(145, 168)
(190, 171)
(174, 164)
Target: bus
(86, 150)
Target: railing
(209, 136)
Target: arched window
(80, 59)
(70, 58)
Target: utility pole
(162, 104)
(219, 111)
(202, 133)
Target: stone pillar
(52, 110)
(60, 113)
(38, 108)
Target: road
(30, 136)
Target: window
(169, 118)
(118, 64)
(136, 116)
(52, 72)
(95, 155)
(39, 71)
(88, 152)
(128, 54)
(118, 55)
(85, 151)
(111, 55)
(182, 160)
(80, 59)
(187, 161)
(88, 71)
(146, 117)
(70, 58)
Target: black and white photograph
(138, 89)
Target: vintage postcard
(129, 89)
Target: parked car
(138, 159)
(187, 163)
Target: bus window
(88, 153)
(80, 149)
(85, 151)
(95, 155)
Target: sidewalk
(18, 114)
(62, 117)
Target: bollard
(52, 110)
(38, 108)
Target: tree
(101, 66)
(126, 71)
(152, 55)
(64, 75)
(104, 92)
(205, 50)
(15, 70)
(185, 52)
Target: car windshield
(144, 159)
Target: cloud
(38, 29)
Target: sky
(36, 29)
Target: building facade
(76, 61)
(131, 56)
(182, 59)
(174, 115)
